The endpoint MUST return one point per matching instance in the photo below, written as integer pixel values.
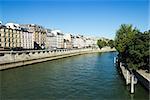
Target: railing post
(127, 79)
(132, 83)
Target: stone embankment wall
(140, 76)
(143, 78)
(21, 58)
(126, 74)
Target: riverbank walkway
(20, 58)
(144, 74)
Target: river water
(84, 77)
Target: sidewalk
(144, 74)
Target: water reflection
(84, 77)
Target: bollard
(127, 79)
(132, 83)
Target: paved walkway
(144, 74)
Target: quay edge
(30, 58)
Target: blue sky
(88, 17)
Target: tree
(111, 43)
(133, 47)
(139, 51)
(101, 43)
(123, 36)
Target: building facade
(68, 41)
(26, 39)
(39, 35)
(78, 41)
(32, 36)
(59, 37)
(51, 40)
(10, 38)
(13, 37)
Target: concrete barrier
(143, 80)
(11, 60)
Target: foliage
(123, 36)
(133, 46)
(111, 43)
(101, 43)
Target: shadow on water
(83, 77)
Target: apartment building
(51, 40)
(59, 38)
(39, 35)
(68, 41)
(10, 37)
(26, 39)
(88, 42)
(78, 41)
(13, 32)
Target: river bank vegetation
(102, 43)
(133, 47)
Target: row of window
(11, 30)
(9, 35)
(8, 39)
(12, 45)
(9, 45)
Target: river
(83, 77)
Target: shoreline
(20, 60)
(140, 76)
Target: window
(6, 30)
(2, 30)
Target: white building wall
(74, 42)
(27, 40)
(68, 41)
(59, 38)
(51, 42)
(60, 41)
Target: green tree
(101, 43)
(138, 51)
(123, 36)
(133, 47)
(111, 43)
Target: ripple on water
(84, 77)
